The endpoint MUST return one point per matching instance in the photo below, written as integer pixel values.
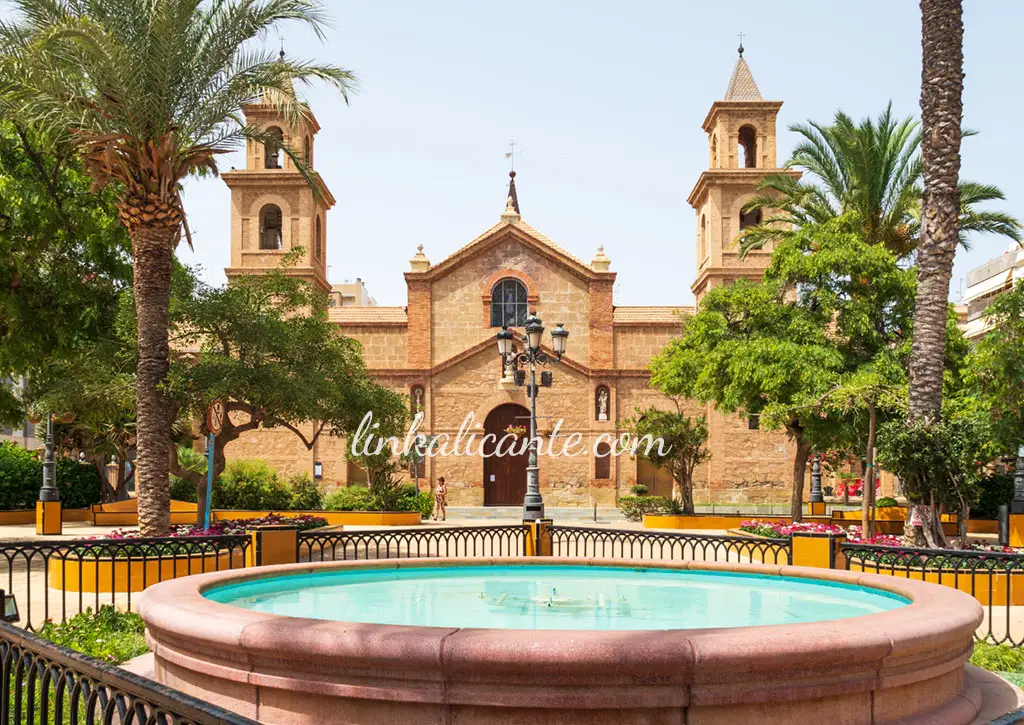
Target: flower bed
(781, 530)
(109, 545)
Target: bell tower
(741, 151)
(274, 209)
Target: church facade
(440, 350)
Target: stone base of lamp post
(49, 518)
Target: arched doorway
(504, 476)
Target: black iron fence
(58, 579)
(456, 542)
(581, 541)
(995, 579)
(43, 683)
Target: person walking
(441, 499)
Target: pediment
(524, 234)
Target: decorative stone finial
(510, 214)
(419, 262)
(600, 263)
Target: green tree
(96, 386)
(63, 261)
(871, 169)
(149, 93)
(830, 305)
(683, 446)
(264, 346)
(749, 351)
(995, 369)
(942, 87)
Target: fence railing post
(819, 550)
(538, 537)
(49, 518)
(273, 544)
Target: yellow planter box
(986, 587)
(107, 575)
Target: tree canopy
(63, 261)
(685, 446)
(831, 307)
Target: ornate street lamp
(49, 490)
(817, 496)
(532, 356)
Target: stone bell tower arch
(741, 152)
(274, 209)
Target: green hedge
(21, 477)
(634, 507)
(359, 498)
(255, 486)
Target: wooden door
(505, 475)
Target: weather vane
(741, 42)
(511, 154)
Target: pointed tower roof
(512, 191)
(741, 85)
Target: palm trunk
(152, 252)
(941, 117)
(803, 453)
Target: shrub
(996, 490)
(108, 634)
(21, 476)
(351, 498)
(634, 507)
(305, 493)
(638, 489)
(886, 502)
(251, 485)
(360, 498)
(415, 500)
(182, 490)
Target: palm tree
(872, 169)
(942, 84)
(149, 92)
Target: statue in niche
(507, 371)
(602, 404)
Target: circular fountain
(564, 641)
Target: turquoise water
(555, 597)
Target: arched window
(748, 147)
(318, 244)
(508, 304)
(272, 149)
(751, 219)
(270, 227)
(307, 152)
(603, 461)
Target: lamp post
(1017, 505)
(532, 355)
(816, 493)
(49, 490)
